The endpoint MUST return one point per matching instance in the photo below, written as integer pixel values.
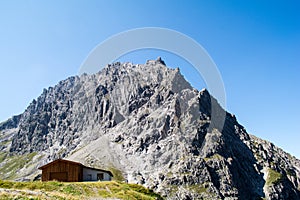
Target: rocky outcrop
(11, 123)
(148, 122)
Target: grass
(215, 157)
(197, 188)
(9, 169)
(169, 174)
(2, 156)
(273, 177)
(78, 190)
(5, 142)
(200, 189)
(117, 174)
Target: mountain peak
(147, 122)
(160, 61)
(155, 62)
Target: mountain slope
(149, 123)
(74, 191)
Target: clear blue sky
(255, 45)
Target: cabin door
(59, 176)
(100, 176)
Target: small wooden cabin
(69, 171)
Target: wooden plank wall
(73, 170)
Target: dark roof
(74, 163)
(59, 160)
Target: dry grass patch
(78, 190)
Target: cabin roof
(74, 163)
(99, 170)
(59, 160)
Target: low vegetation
(78, 190)
(197, 188)
(213, 157)
(2, 156)
(10, 165)
(273, 177)
(118, 176)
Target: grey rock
(10, 123)
(147, 121)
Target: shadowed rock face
(147, 121)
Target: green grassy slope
(79, 190)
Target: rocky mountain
(147, 122)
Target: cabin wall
(107, 177)
(95, 175)
(62, 171)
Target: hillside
(74, 191)
(148, 123)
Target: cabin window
(100, 176)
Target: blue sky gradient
(255, 45)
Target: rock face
(149, 123)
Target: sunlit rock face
(148, 122)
